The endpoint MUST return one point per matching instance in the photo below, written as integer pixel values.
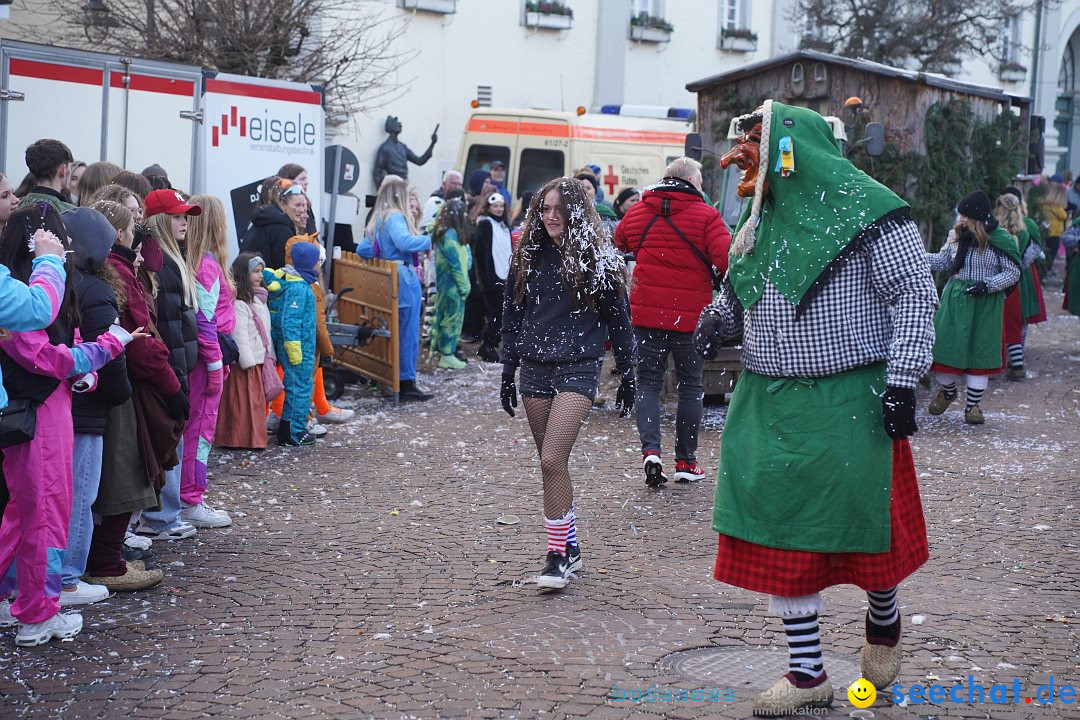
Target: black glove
(707, 335)
(978, 288)
(624, 398)
(898, 411)
(178, 406)
(508, 393)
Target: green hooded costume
(805, 462)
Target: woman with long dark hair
(565, 284)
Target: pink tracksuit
(38, 474)
(215, 314)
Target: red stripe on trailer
(51, 71)
(149, 83)
(228, 87)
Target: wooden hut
(897, 98)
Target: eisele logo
(264, 128)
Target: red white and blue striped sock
(557, 532)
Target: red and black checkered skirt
(798, 572)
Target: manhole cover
(750, 670)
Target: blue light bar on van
(650, 111)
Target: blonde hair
(115, 212)
(208, 233)
(1007, 212)
(111, 192)
(1055, 195)
(160, 225)
(393, 197)
(978, 232)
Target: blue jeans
(86, 477)
(166, 518)
(653, 348)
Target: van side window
(480, 157)
(537, 167)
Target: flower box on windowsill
(738, 44)
(446, 7)
(649, 34)
(548, 21)
(1012, 74)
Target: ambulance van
(537, 145)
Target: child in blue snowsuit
(391, 235)
(292, 329)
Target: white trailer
(213, 133)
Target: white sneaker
(316, 430)
(83, 594)
(272, 422)
(6, 618)
(180, 531)
(204, 516)
(137, 541)
(338, 415)
(60, 625)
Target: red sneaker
(686, 471)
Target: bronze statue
(394, 156)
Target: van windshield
(478, 163)
(537, 167)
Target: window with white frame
(730, 14)
(652, 8)
(1010, 39)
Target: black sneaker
(573, 557)
(654, 470)
(556, 572)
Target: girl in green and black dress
(982, 261)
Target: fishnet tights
(555, 424)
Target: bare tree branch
(929, 35)
(347, 46)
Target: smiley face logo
(862, 693)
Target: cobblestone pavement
(367, 576)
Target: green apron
(1029, 298)
(805, 463)
(967, 328)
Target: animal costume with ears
(828, 286)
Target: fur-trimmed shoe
(788, 696)
(880, 660)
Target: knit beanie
(975, 206)
(305, 256)
(1010, 190)
(91, 237)
(589, 178)
(625, 195)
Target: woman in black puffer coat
(178, 328)
(100, 295)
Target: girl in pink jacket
(207, 262)
(43, 367)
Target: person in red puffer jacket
(677, 240)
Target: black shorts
(539, 379)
